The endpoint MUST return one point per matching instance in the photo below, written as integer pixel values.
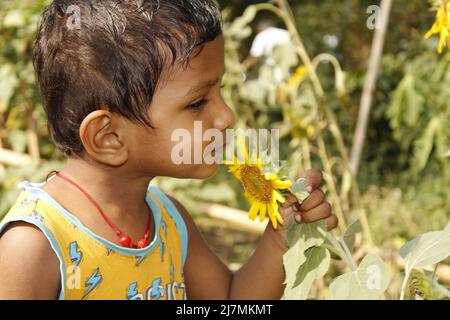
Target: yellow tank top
(94, 268)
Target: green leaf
(349, 235)
(367, 282)
(406, 104)
(315, 267)
(424, 145)
(308, 234)
(302, 238)
(298, 189)
(428, 249)
(292, 260)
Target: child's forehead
(207, 65)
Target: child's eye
(198, 104)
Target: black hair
(106, 54)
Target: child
(116, 83)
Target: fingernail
(298, 218)
(295, 207)
(309, 188)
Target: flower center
(255, 184)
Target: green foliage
(305, 260)
(419, 285)
(428, 249)
(19, 93)
(308, 259)
(21, 114)
(298, 189)
(367, 282)
(309, 254)
(315, 267)
(424, 286)
(404, 172)
(420, 110)
(349, 236)
(36, 171)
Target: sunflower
(261, 186)
(441, 25)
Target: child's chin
(204, 171)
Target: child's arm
(263, 275)
(29, 269)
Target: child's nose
(225, 118)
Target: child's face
(151, 149)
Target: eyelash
(200, 103)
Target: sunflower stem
(284, 11)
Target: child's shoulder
(29, 234)
(32, 208)
(28, 264)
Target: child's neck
(120, 195)
(110, 187)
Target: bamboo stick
(369, 87)
(14, 159)
(235, 217)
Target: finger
(313, 178)
(286, 211)
(320, 212)
(316, 198)
(332, 222)
(290, 200)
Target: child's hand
(314, 208)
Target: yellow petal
(262, 212)
(270, 176)
(259, 163)
(280, 219)
(279, 184)
(278, 197)
(277, 213)
(434, 29)
(254, 210)
(271, 212)
(241, 144)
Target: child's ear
(102, 137)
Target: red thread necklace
(124, 239)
